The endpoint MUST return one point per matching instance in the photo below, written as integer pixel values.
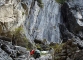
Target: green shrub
(60, 1)
(23, 13)
(57, 47)
(18, 31)
(39, 1)
(40, 4)
(38, 46)
(21, 39)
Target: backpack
(37, 51)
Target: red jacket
(32, 52)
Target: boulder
(5, 38)
(9, 51)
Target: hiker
(32, 52)
(36, 54)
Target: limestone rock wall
(42, 22)
(12, 14)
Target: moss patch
(60, 1)
(57, 47)
(23, 13)
(40, 4)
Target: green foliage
(57, 50)
(18, 31)
(45, 41)
(29, 46)
(23, 13)
(39, 1)
(57, 47)
(40, 4)
(60, 1)
(21, 39)
(22, 42)
(38, 46)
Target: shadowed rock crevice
(71, 12)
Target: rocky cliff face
(42, 23)
(41, 18)
(72, 12)
(12, 14)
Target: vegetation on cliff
(40, 4)
(60, 1)
(67, 50)
(21, 39)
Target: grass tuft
(60, 1)
(40, 4)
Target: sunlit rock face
(12, 14)
(42, 23)
(72, 12)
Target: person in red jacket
(32, 52)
